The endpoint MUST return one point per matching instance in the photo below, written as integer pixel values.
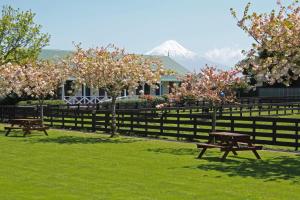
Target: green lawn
(74, 165)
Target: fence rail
(192, 123)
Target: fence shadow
(2, 132)
(85, 140)
(272, 169)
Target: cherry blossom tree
(275, 54)
(216, 86)
(113, 70)
(38, 79)
(7, 73)
(187, 90)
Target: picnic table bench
(229, 142)
(26, 125)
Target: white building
(85, 95)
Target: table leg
(202, 152)
(254, 151)
(225, 155)
(256, 154)
(234, 152)
(234, 144)
(211, 139)
(7, 132)
(26, 132)
(228, 150)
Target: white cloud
(227, 56)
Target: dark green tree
(21, 40)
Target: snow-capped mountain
(173, 49)
(180, 54)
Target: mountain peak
(173, 49)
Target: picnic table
(229, 142)
(26, 125)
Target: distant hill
(49, 54)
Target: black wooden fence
(193, 123)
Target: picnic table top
(228, 134)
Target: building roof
(169, 78)
(168, 63)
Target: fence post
(2, 113)
(232, 125)
(131, 122)
(51, 115)
(253, 130)
(82, 120)
(221, 111)
(123, 118)
(178, 124)
(241, 111)
(285, 109)
(106, 121)
(94, 120)
(274, 132)
(297, 136)
(146, 123)
(161, 124)
(195, 127)
(14, 112)
(63, 118)
(118, 120)
(76, 117)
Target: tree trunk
(113, 116)
(214, 119)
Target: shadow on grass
(67, 139)
(272, 169)
(179, 151)
(20, 133)
(84, 140)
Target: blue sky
(140, 25)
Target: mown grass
(74, 165)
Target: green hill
(47, 54)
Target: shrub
(46, 102)
(144, 101)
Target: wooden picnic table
(229, 142)
(26, 125)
